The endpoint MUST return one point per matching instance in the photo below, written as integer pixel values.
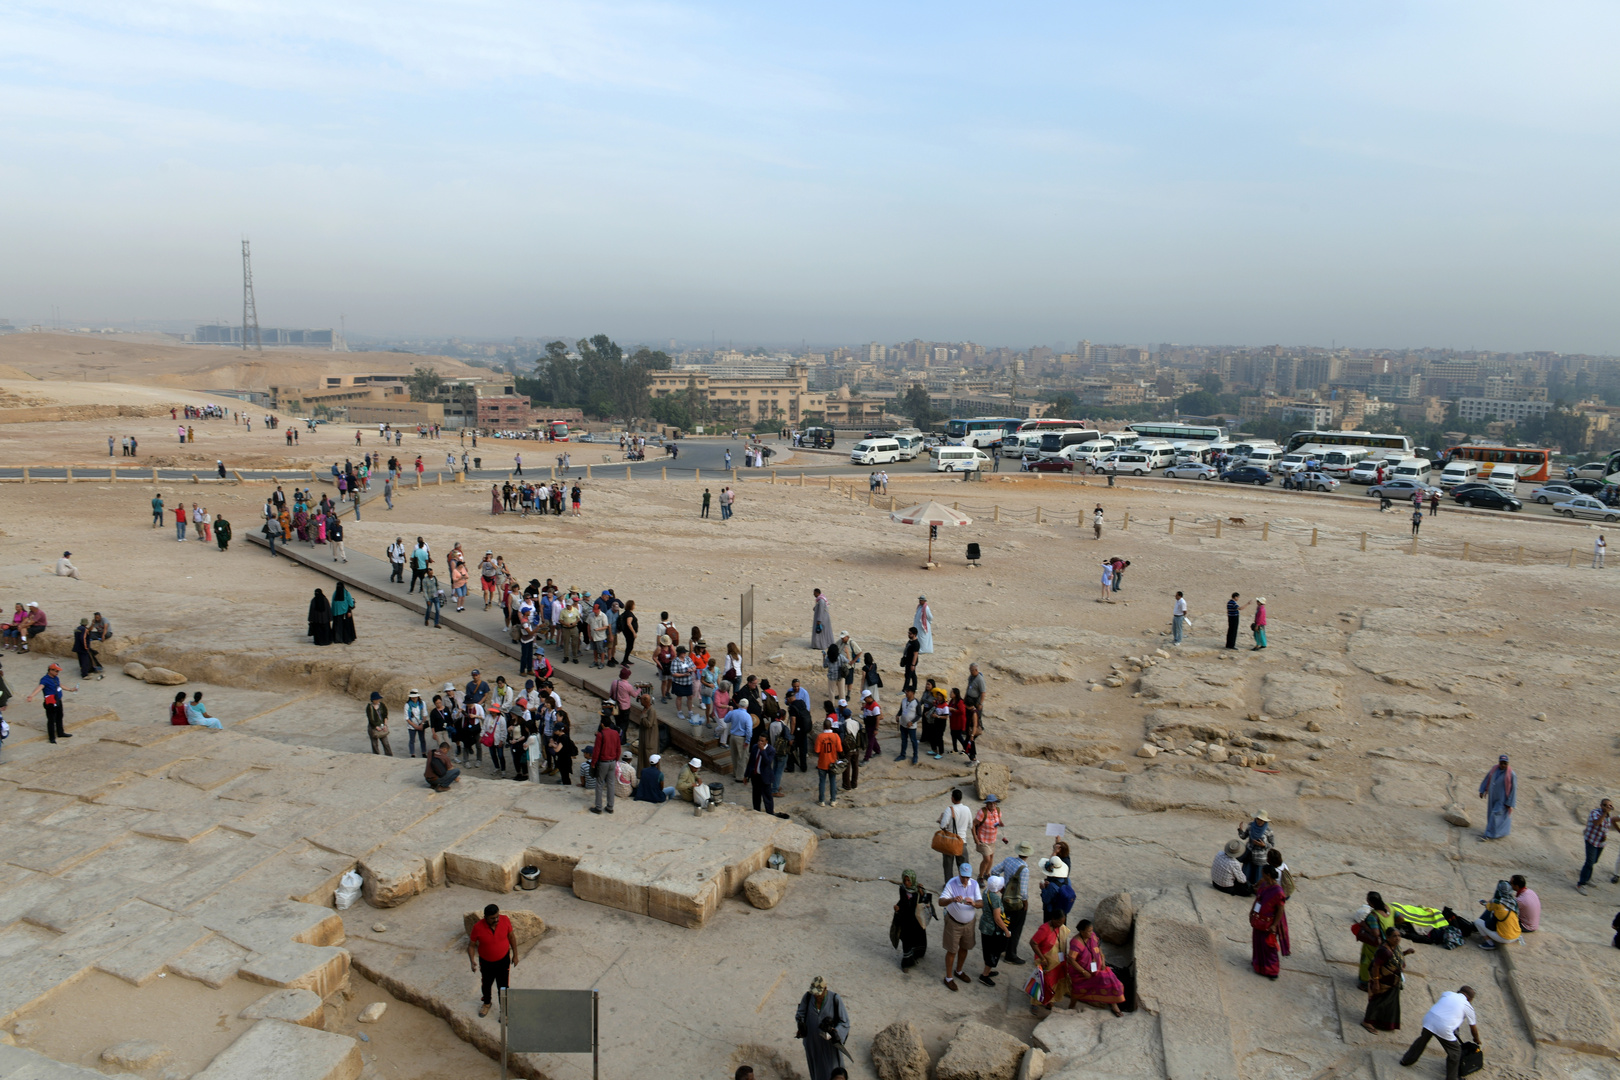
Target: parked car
(1401, 489)
(1192, 470)
(1588, 486)
(1558, 491)
(1247, 474)
(1472, 484)
(1597, 470)
(1314, 481)
(584, 436)
(1489, 499)
(1587, 507)
(1365, 473)
(1051, 465)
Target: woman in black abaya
(320, 619)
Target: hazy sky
(1371, 173)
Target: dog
(1236, 521)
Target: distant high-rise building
(942, 354)
(876, 354)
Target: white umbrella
(931, 514)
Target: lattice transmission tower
(250, 311)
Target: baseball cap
(866, 693)
(655, 759)
(965, 870)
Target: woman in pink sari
(1269, 922)
(1090, 980)
(494, 500)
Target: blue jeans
(1593, 854)
(412, 738)
(908, 734)
(827, 780)
(725, 511)
(179, 530)
(776, 776)
(272, 544)
(526, 662)
(1176, 624)
(434, 606)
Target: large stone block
(274, 1050)
(527, 927)
(616, 881)
(19, 1064)
(137, 1054)
(143, 958)
(390, 877)
(980, 1052)
(1114, 917)
(578, 836)
(320, 969)
(212, 963)
(898, 1053)
(991, 778)
(796, 844)
(688, 891)
(490, 858)
(294, 1006)
(765, 888)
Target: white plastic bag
(348, 891)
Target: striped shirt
(987, 825)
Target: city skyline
(1387, 177)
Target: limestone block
(577, 836)
(617, 882)
(898, 1053)
(373, 1012)
(21, 1064)
(244, 917)
(980, 1052)
(991, 778)
(273, 1050)
(796, 844)
(390, 877)
(1114, 918)
(208, 773)
(1033, 1067)
(527, 927)
(1147, 750)
(1456, 815)
(1293, 694)
(162, 676)
(135, 671)
(295, 1006)
(765, 888)
(321, 969)
(1561, 999)
(137, 1054)
(688, 891)
(143, 958)
(490, 858)
(213, 963)
(1114, 765)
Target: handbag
(488, 737)
(946, 842)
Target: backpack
(779, 739)
(848, 739)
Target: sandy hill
(92, 359)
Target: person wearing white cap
(689, 787)
(650, 785)
(961, 900)
(415, 724)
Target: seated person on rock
(1227, 873)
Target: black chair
(973, 554)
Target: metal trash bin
(529, 878)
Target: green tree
(916, 404)
(1065, 406)
(1200, 402)
(1210, 381)
(1559, 427)
(424, 384)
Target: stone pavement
(370, 575)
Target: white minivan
(1159, 454)
(1458, 472)
(1135, 462)
(1265, 457)
(1504, 478)
(875, 452)
(1419, 470)
(911, 444)
(960, 459)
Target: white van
(1292, 463)
(1265, 457)
(1124, 440)
(1027, 444)
(1340, 463)
(1420, 470)
(1135, 462)
(1092, 451)
(960, 459)
(1504, 478)
(1459, 472)
(875, 452)
(911, 444)
(1159, 454)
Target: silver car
(1192, 470)
(1315, 481)
(1587, 507)
(1552, 493)
(1400, 489)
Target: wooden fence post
(870, 495)
(958, 506)
(1037, 515)
(1465, 551)
(112, 473)
(1265, 530)
(1518, 557)
(627, 472)
(1572, 558)
(801, 478)
(1172, 527)
(28, 480)
(997, 517)
(734, 474)
(69, 470)
(1127, 526)
(1313, 536)
(697, 474)
(663, 472)
(587, 472)
(1079, 519)
(891, 504)
(155, 478)
(773, 477)
(1217, 528)
(1363, 541)
(829, 481)
(440, 475)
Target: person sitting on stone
(689, 787)
(439, 772)
(650, 785)
(1227, 872)
(197, 715)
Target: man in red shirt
(604, 762)
(492, 942)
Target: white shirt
(968, 891)
(1448, 1015)
(1599, 545)
(909, 711)
(956, 819)
(1180, 606)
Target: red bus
(1530, 463)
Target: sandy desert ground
(1392, 683)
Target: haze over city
(1378, 176)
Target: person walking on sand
(492, 952)
(1598, 823)
(1259, 624)
(1178, 618)
(1097, 519)
(923, 622)
(1498, 788)
(1417, 517)
(821, 628)
(1599, 547)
